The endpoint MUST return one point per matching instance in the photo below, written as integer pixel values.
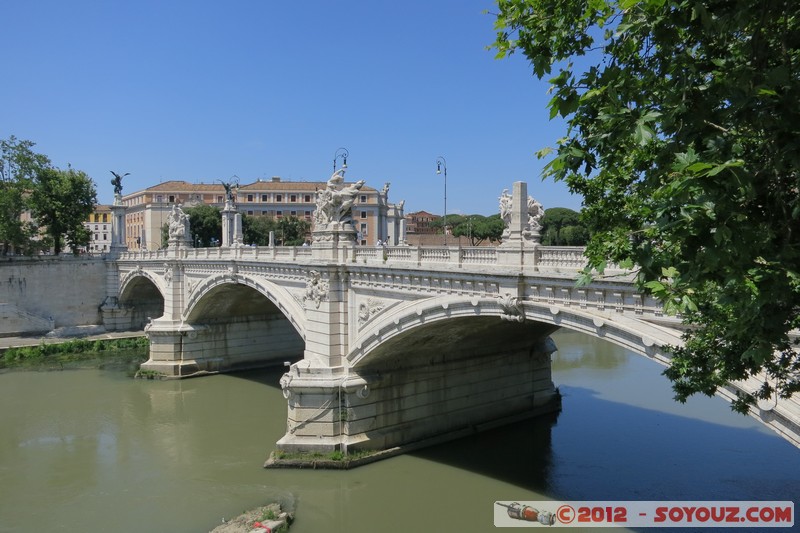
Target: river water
(93, 450)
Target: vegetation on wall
(128, 352)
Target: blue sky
(202, 91)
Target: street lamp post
(441, 163)
(340, 153)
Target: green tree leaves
(563, 227)
(205, 221)
(60, 201)
(19, 165)
(684, 141)
(477, 228)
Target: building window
(363, 214)
(278, 197)
(363, 198)
(105, 236)
(278, 214)
(250, 199)
(250, 212)
(293, 213)
(307, 198)
(293, 198)
(308, 215)
(159, 199)
(264, 197)
(219, 199)
(105, 217)
(364, 229)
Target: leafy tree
(164, 235)
(575, 235)
(477, 228)
(291, 231)
(683, 139)
(563, 227)
(60, 201)
(205, 221)
(19, 164)
(256, 229)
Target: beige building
(147, 210)
(99, 225)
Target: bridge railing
(547, 257)
(289, 253)
(562, 258)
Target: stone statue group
(335, 202)
(535, 213)
(178, 224)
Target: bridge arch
(534, 318)
(227, 322)
(200, 297)
(142, 294)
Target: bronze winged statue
(117, 181)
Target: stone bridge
(388, 347)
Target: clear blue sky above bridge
(202, 90)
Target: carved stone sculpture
(316, 288)
(335, 202)
(535, 214)
(527, 228)
(178, 223)
(512, 308)
(506, 203)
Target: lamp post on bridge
(340, 153)
(441, 163)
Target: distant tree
(61, 201)
(256, 229)
(291, 231)
(19, 164)
(164, 235)
(563, 227)
(477, 228)
(205, 222)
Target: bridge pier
(430, 401)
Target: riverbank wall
(42, 293)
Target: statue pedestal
(521, 237)
(231, 226)
(331, 242)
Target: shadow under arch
(214, 297)
(232, 322)
(398, 324)
(435, 325)
(142, 294)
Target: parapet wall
(38, 294)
